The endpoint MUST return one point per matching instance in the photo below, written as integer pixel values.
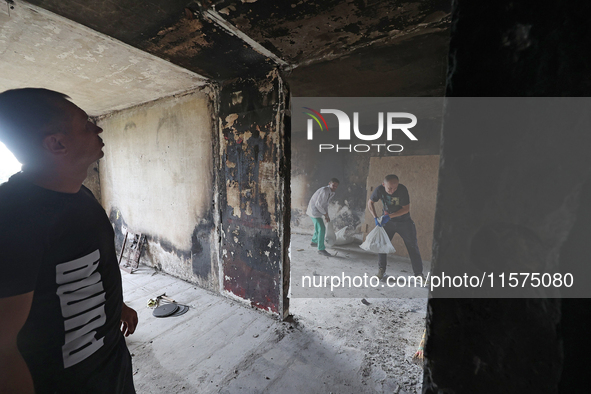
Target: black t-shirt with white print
(60, 246)
(392, 202)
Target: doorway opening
(379, 331)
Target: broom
(418, 357)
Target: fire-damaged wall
(157, 178)
(514, 200)
(253, 200)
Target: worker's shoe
(313, 244)
(324, 253)
(381, 273)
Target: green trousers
(319, 232)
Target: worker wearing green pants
(319, 233)
(317, 210)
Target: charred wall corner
(252, 199)
(285, 175)
(197, 43)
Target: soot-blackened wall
(512, 199)
(253, 205)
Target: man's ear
(53, 144)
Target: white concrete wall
(157, 178)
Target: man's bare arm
(15, 376)
(372, 208)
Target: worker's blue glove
(377, 222)
(385, 219)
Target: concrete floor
(333, 345)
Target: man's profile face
(333, 186)
(390, 186)
(82, 139)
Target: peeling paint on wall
(252, 208)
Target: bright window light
(8, 163)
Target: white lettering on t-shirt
(82, 298)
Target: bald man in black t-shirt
(63, 317)
(396, 219)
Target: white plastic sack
(330, 236)
(377, 242)
(341, 239)
(333, 238)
